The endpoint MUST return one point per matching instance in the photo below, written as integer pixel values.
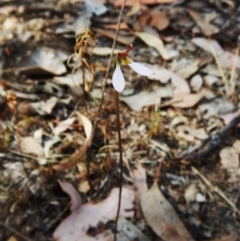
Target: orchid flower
(118, 80)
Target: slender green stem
(120, 160)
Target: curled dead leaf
(76, 200)
(79, 154)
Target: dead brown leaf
(75, 226)
(122, 40)
(118, 3)
(103, 51)
(161, 217)
(208, 45)
(182, 100)
(154, 42)
(180, 85)
(114, 26)
(159, 20)
(147, 98)
(134, 10)
(203, 23)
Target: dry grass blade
(217, 190)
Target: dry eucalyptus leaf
(180, 85)
(139, 181)
(185, 100)
(161, 74)
(159, 20)
(87, 124)
(103, 51)
(203, 22)
(134, 10)
(75, 226)
(154, 42)
(147, 98)
(185, 67)
(225, 58)
(229, 158)
(76, 200)
(161, 217)
(29, 145)
(206, 44)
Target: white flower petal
(118, 80)
(140, 69)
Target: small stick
(213, 142)
(121, 161)
(216, 189)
